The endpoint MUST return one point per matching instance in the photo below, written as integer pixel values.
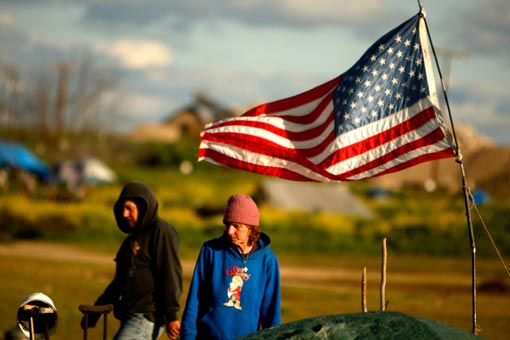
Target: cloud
(485, 107)
(301, 14)
(5, 18)
(485, 28)
(139, 53)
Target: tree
(66, 96)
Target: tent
(312, 197)
(84, 171)
(16, 156)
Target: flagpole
(465, 187)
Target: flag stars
(390, 76)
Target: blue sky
(243, 52)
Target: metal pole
(464, 184)
(467, 204)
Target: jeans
(136, 327)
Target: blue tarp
(16, 156)
(481, 196)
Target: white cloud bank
(139, 54)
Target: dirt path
(291, 275)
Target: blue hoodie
(225, 301)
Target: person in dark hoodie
(235, 289)
(147, 285)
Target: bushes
(20, 226)
(497, 220)
(413, 222)
(425, 240)
(165, 154)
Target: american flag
(379, 117)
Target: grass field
(438, 289)
(321, 272)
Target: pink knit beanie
(241, 209)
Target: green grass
(433, 288)
(414, 222)
(427, 240)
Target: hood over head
(145, 201)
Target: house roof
(205, 109)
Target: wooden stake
(383, 276)
(364, 290)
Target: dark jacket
(148, 275)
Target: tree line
(77, 96)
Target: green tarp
(364, 326)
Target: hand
(91, 322)
(173, 328)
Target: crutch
(87, 310)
